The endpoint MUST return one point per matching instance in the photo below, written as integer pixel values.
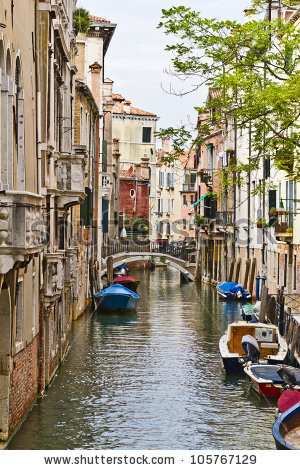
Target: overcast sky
(136, 59)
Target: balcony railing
(224, 218)
(21, 224)
(187, 188)
(206, 176)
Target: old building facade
(21, 240)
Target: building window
(19, 311)
(160, 227)
(161, 179)
(295, 272)
(146, 135)
(192, 199)
(184, 224)
(169, 205)
(285, 269)
(170, 180)
(172, 206)
(184, 200)
(81, 125)
(168, 228)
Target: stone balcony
(54, 278)
(70, 266)
(21, 228)
(70, 178)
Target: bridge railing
(146, 246)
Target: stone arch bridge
(181, 258)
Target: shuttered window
(86, 209)
(104, 156)
(147, 135)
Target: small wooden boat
(128, 282)
(232, 291)
(116, 298)
(267, 381)
(286, 429)
(272, 347)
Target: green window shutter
(105, 210)
(193, 178)
(86, 209)
(104, 156)
(147, 135)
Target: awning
(207, 194)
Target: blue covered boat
(286, 429)
(232, 291)
(116, 298)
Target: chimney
(166, 144)
(126, 106)
(95, 81)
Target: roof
(118, 107)
(98, 18)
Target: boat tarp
(287, 399)
(117, 289)
(125, 279)
(269, 372)
(231, 287)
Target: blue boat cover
(117, 289)
(231, 287)
(269, 372)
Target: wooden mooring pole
(110, 270)
(237, 272)
(231, 270)
(248, 262)
(252, 275)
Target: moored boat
(117, 298)
(272, 347)
(266, 380)
(232, 291)
(128, 282)
(286, 429)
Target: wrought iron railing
(185, 253)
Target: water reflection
(151, 380)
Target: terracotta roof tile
(119, 107)
(98, 18)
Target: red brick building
(134, 195)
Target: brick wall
(24, 383)
(127, 201)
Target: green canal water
(152, 380)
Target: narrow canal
(153, 380)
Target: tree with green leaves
(82, 20)
(255, 67)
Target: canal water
(151, 380)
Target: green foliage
(200, 220)
(82, 20)
(253, 69)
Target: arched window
(19, 125)
(7, 125)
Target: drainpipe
(257, 286)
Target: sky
(137, 62)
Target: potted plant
(261, 223)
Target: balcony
(224, 218)
(20, 228)
(188, 188)
(54, 276)
(70, 178)
(206, 176)
(70, 266)
(284, 225)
